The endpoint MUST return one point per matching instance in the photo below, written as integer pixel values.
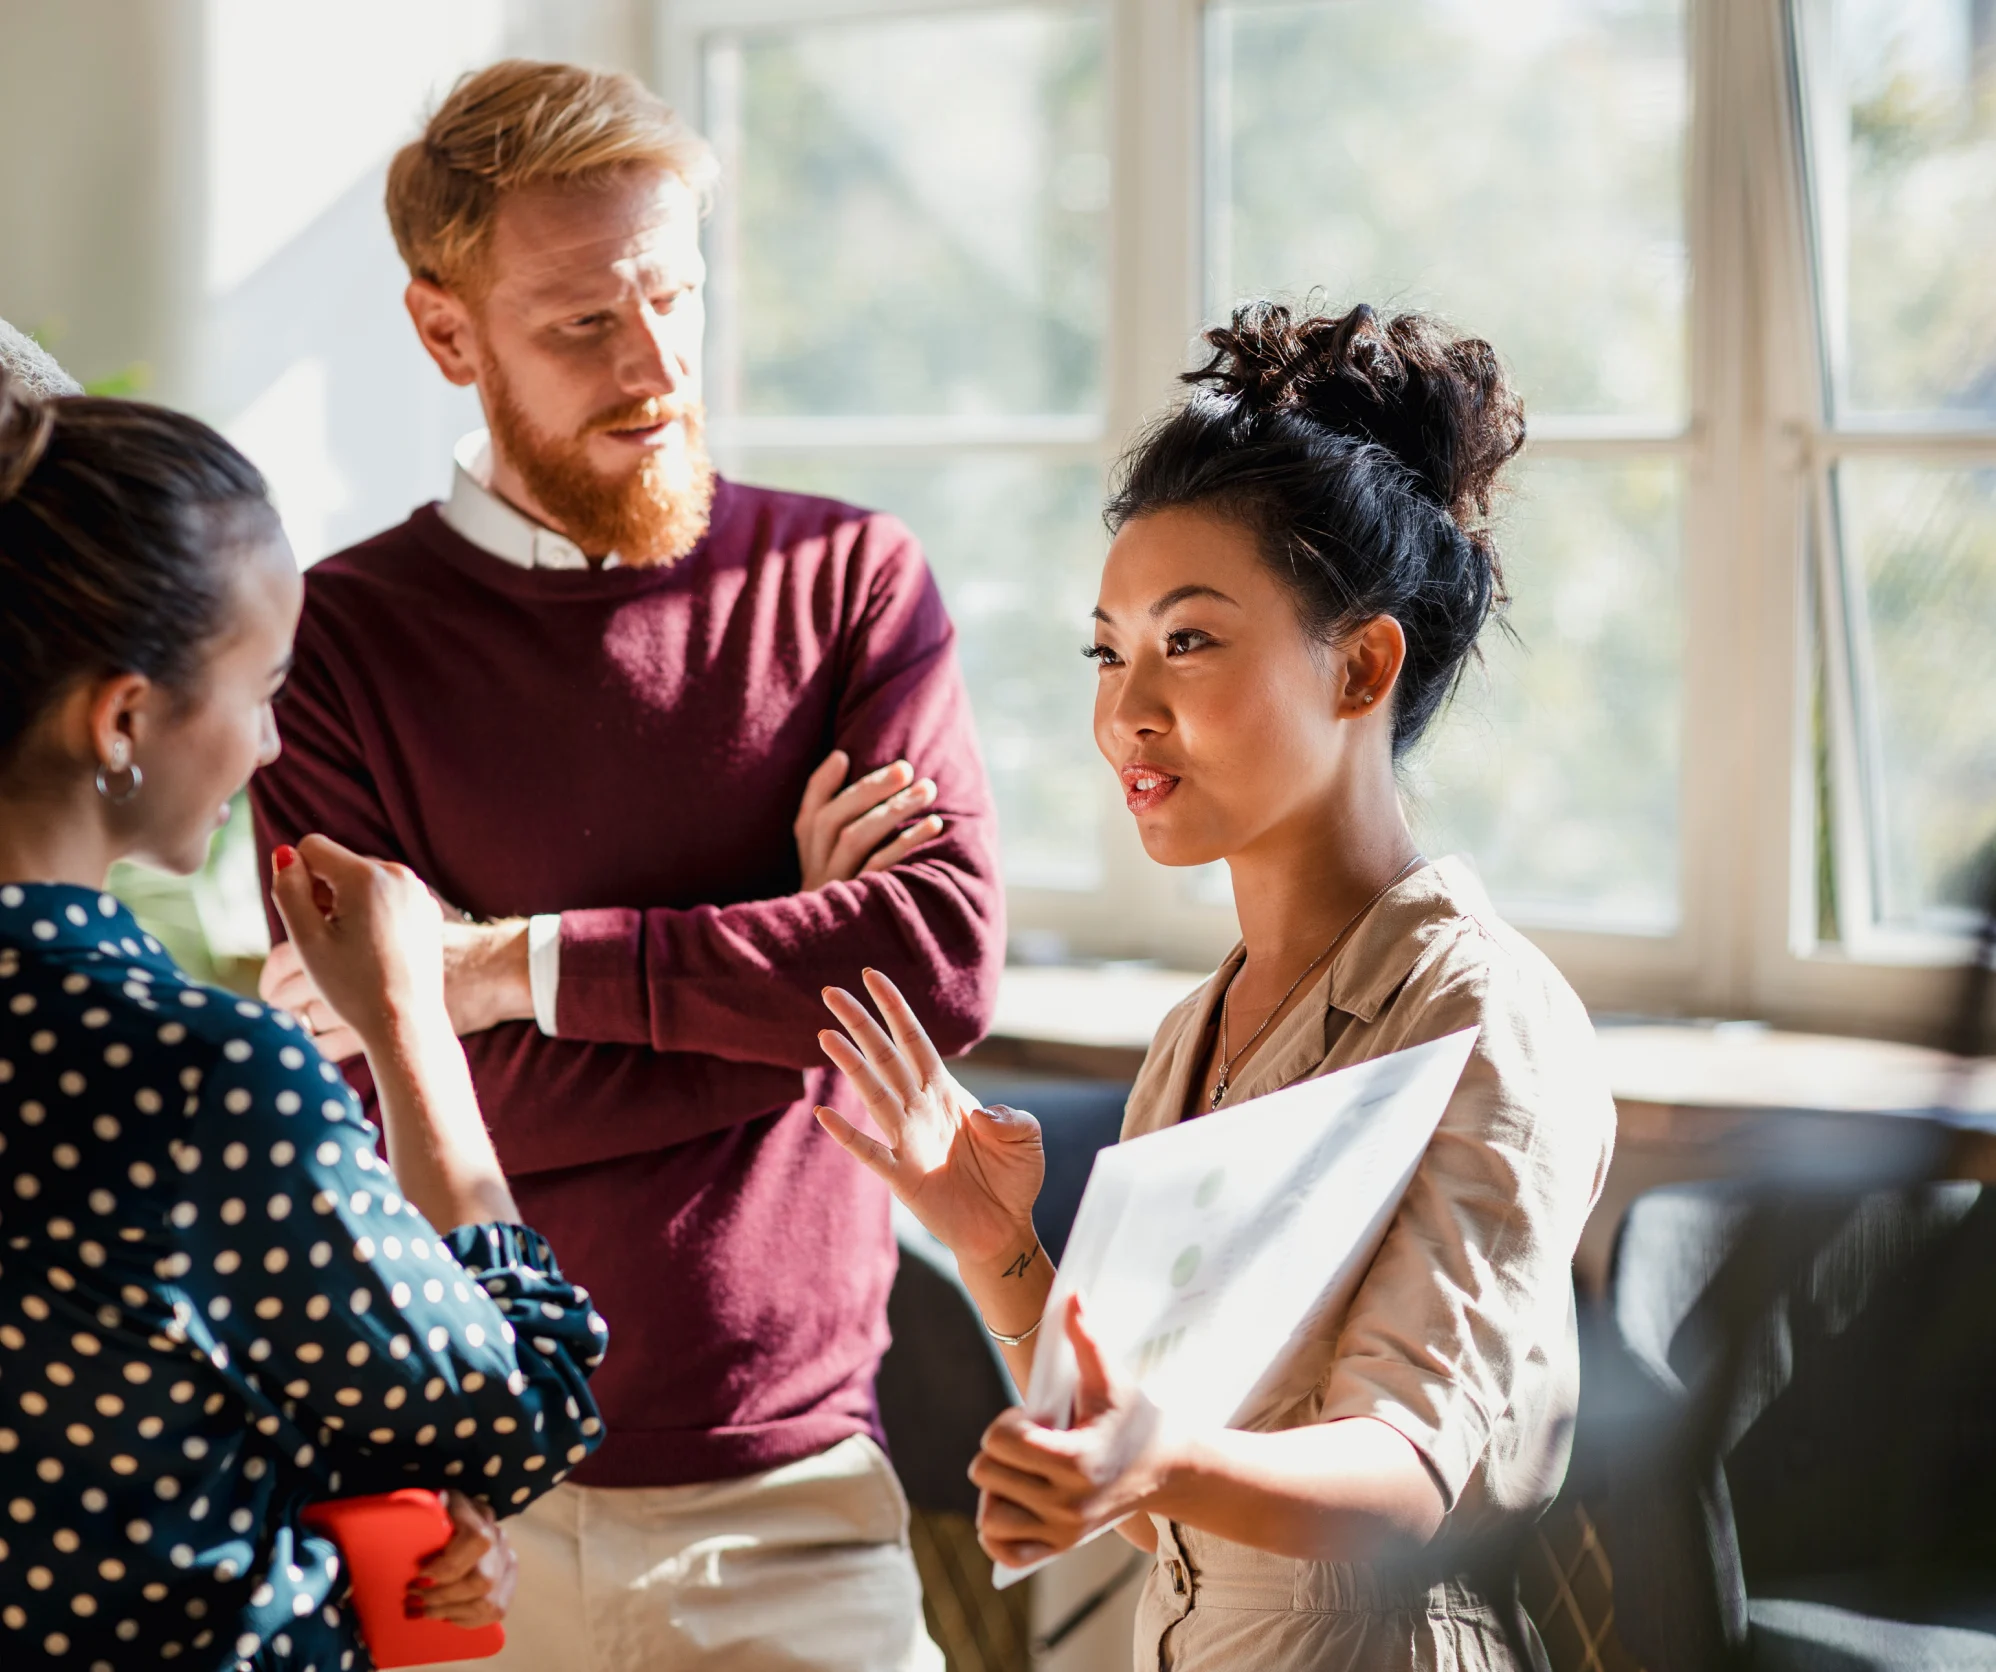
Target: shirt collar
(1389, 940)
(1381, 952)
(479, 515)
(57, 916)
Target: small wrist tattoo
(1018, 1267)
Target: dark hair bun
(1364, 454)
(1438, 403)
(26, 422)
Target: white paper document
(1204, 1251)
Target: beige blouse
(1462, 1334)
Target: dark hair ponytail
(1363, 453)
(116, 520)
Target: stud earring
(1367, 698)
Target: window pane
(1922, 542)
(1516, 166)
(919, 214)
(1557, 767)
(1902, 102)
(1016, 544)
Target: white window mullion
(1072, 435)
(1853, 759)
(1759, 691)
(1556, 438)
(1154, 236)
(1697, 969)
(714, 100)
(1820, 146)
(1154, 287)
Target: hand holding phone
(392, 1541)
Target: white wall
(194, 197)
(91, 195)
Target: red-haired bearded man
(686, 751)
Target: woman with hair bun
(1301, 567)
(216, 1304)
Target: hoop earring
(130, 790)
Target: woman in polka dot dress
(217, 1304)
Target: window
(1397, 151)
(1740, 754)
(1900, 118)
(909, 303)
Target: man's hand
(485, 983)
(286, 984)
(842, 832)
(486, 978)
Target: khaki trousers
(802, 1567)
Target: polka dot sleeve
(372, 1346)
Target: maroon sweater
(628, 748)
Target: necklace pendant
(1219, 1092)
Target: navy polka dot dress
(215, 1309)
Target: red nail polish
(284, 857)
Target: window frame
(1758, 448)
(1855, 746)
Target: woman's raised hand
(970, 1174)
(368, 934)
(370, 938)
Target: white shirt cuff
(544, 966)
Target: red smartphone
(383, 1541)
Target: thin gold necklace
(1226, 999)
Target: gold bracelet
(1014, 1340)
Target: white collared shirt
(489, 523)
(479, 515)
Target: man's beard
(651, 517)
